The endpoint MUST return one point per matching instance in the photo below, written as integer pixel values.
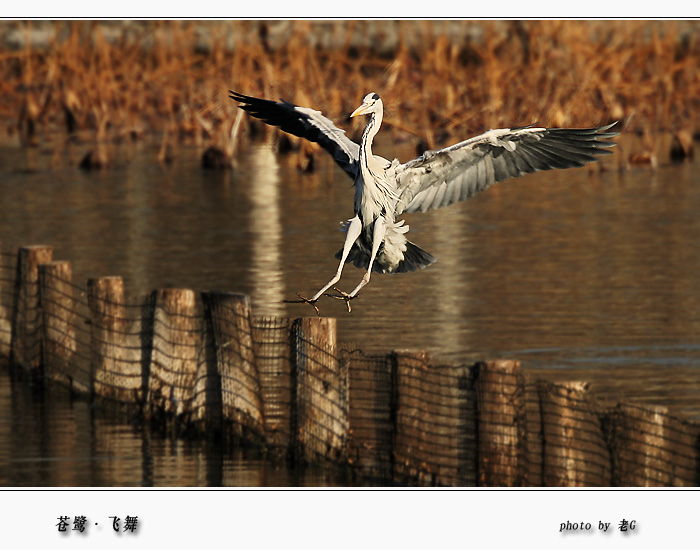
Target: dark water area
(580, 275)
(48, 439)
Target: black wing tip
(247, 103)
(602, 130)
(608, 126)
(258, 105)
(248, 100)
(594, 137)
(238, 96)
(598, 131)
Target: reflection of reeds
(438, 88)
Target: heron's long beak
(361, 110)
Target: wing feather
(439, 195)
(305, 123)
(534, 162)
(522, 163)
(442, 177)
(556, 157)
(468, 183)
(454, 189)
(501, 170)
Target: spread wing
(439, 178)
(305, 123)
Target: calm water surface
(579, 275)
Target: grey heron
(375, 240)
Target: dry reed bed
(437, 88)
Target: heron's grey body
(375, 240)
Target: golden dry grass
(437, 89)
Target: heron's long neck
(366, 156)
(376, 195)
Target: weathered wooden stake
(320, 382)
(115, 353)
(435, 438)
(686, 452)
(409, 438)
(272, 353)
(500, 413)
(575, 450)
(534, 440)
(5, 317)
(228, 320)
(175, 351)
(642, 439)
(370, 445)
(25, 352)
(59, 322)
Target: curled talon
(343, 296)
(305, 300)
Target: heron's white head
(370, 104)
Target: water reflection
(49, 440)
(453, 278)
(266, 233)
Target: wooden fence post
(116, 368)
(435, 438)
(25, 349)
(501, 430)
(534, 439)
(651, 448)
(59, 322)
(5, 316)
(575, 451)
(273, 356)
(228, 321)
(371, 414)
(409, 434)
(175, 351)
(320, 382)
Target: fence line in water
(286, 384)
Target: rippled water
(578, 274)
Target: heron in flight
(374, 239)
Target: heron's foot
(343, 296)
(305, 300)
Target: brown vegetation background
(442, 81)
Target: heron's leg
(377, 238)
(354, 230)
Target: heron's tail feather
(413, 258)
